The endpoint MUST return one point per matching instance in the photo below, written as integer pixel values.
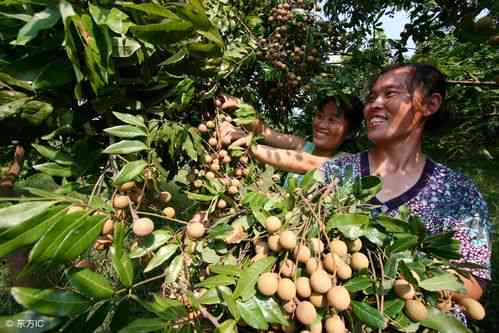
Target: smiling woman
(402, 100)
(336, 119)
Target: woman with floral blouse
(403, 100)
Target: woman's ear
(433, 103)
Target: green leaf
(407, 273)
(229, 300)
(151, 242)
(123, 267)
(251, 314)
(175, 58)
(91, 284)
(129, 172)
(443, 323)
(163, 254)
(53, 154)
(216, 280)
(391, 224)
(144, 326)
(56, 74)
(125, 147)
(54, 169)
(43, 20)
(12, 216)
(124, 47)
(245, 287)
(228, 326)
(441, 282)
(125, 131)
(115, 19)
(344, 220)
(130, 119)
(173, 270)
(368, 315)
(366, 188)
(270, 309)
(28, 317)
(199, 197)
(151, 9)
(358, 283)
(393, 307)
(403, 244)
(232, 270)
(442, 245)
(215, 295)
(50, 302)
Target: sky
(393, 26)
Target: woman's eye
(390, 93)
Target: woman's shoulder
(341, 165)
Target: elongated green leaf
(125, 147)
(177, 57)
(40, 21)
(115, 19)
(9, 324)
(14, 215)
(214, 295)
(393, 307)
(343, 220)
(124, 47)
(130, 171)
(251, 314)
(80, 238)
(216, 280)
(443, 323)
(358, 283)
(56, 74)
(151, 242)
(130, 119)
(270, 309)
(173, 270)
(403, 244)
(144, 326)
(368, 315)
(228, 326)
(199, 197)
(50, 302)
(230, 302)
(29, 235)
(54, 155)
(125, 131)
(441, 282)
(91, 284)
(391, 224)
(54, 169)
(232, 270)
(151, 9)
(123, 267)
(162, 255)
(245, 287)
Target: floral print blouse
(444, 199)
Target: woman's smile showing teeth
(376, 121)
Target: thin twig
(209, 316)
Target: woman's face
(329, 128)
(390, 111)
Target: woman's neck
(402, 157)
(324, 152)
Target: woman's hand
(230, 103)
(230, 133)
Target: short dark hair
(431, 80)
(349, 105)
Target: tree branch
(473, 83)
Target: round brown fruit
(344, 272)
(317, 245)
(287, 267)
(473, 308)
(404, 289)
(359, 261)
(354, 245)
(274, 244)
(332, 262)
(212, 141)
(208, 158)
(334, 324)
(210, 175)
(261, 247)
(210, 124)
(272, 224)
(286, 289)
(312, 265)
(165, 196)
(221, 204)
(339, 247)
(415, 310)
(305, 312)
(202, 128)
(125, 187)
(198, 183)
(339, 298)
(318, 300)
(233, 190)
(303, 288)
(215, 167)
(227, 159)
(287, 240)
(169, 212)
(301, 253)
(289, 307)
(267, 283)
(244, 159)
(121, 201)
(320, 281)
(108, 227)
(143, 226)
(195, 230)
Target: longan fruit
(332, 262)
(287, 268)
(312, 265)
(339, 298)
(344, 272)
(334, 324)
(210, 124)
(305, 312)
(215, 167)
(359, 261)
(169, 212)
(339, 247)
(165, 196)
(288, 240)
(320, 281)
(272, 224)
(289, 307)
(416, 310)
(212, 141)
(108, 227)
(208, 158)
(267, 283)
(301, 253)
(121, 201)
(125, 187)
(318, 300)
(404, 289)
(274, 244)
(316, 245)
(354, 245)
(286, 289)
(221, 204)
(261, 247)
(195, 230)
(303, 288)
(198, 183)
(143, 226)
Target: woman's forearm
(286, 159)
(276, 139)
